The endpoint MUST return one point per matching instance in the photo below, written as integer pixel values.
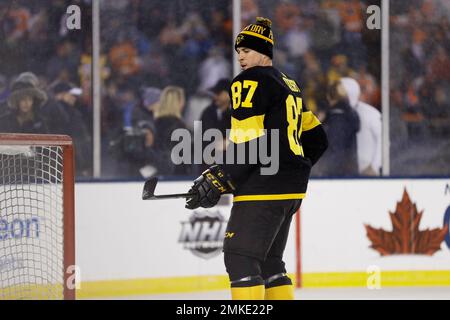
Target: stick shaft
(170, 196)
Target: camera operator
(133, 148)
(66, 97)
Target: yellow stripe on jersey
(257, 35)
(262, 197)
(247, 129)
(309, 121)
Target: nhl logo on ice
(203, 234)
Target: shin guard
(279, 287)
(247, 293)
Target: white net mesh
(31, 222)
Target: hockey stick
(149, 192)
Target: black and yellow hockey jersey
(263, 99)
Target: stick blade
(149, 188)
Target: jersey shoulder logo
(291, 84)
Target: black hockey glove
(208, 188)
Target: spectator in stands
(24, 115)
(173, 52)
(339, 68)
(168, 118)
(213, 68)
(130, 129)
(370, 92)
(413, 112)
(66, 95)
(19, 16)
(314, 83)
(435, 98)
(399, 140)
(128, 99)
(297, 39)
(351, 12)
(250, 11)
(150, 97)
(85, 71)
(341, 125)
(55, 118)
(63, 65)
(325, 35)
(124, 57)
(4, 92)
(439, 65)
(217, 115)
(368, 138)
(143, 156)
(286, 15)
(195, 106)
(155, 67)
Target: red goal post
(37, 223)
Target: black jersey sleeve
(314, 139)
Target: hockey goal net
(37, 238)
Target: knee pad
(274, 273)
(276, 280)
(272, 266)
(243, 271)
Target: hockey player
(263, 100)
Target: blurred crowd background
(166, 64)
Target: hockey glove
(208, 188)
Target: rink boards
(127, 246)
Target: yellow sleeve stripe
(309, 121)
(247, 129)
(257, 35)
(262, 197)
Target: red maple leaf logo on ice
(405, 237)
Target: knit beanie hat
(26, 86)
(257, 36)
